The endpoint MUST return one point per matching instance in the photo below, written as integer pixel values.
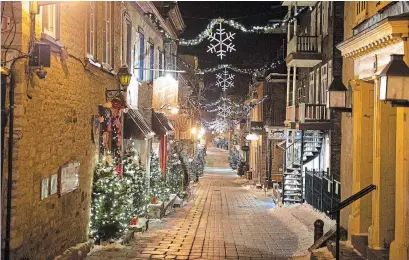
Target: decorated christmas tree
(158, 187)
(110, 202)
(234, 158)
(134, 175)
(175, 172)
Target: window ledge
(55, 44)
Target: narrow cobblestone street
(223, 220)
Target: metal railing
(342, 205)
(313, 112)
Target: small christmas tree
(110, 203)
(158, 187)
(175, 172)
(134, 175)
(234, 158)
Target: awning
(161, 124)
(135, 126)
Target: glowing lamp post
(394, 80)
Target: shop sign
(256, 128)
(274, 134)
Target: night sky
(252, 50)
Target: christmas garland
(238, 26)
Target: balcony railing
(292, 113)
(313, 112)
(303, 44)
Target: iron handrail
(342, 205)
(353, 198)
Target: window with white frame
(92, 30)
(128, 59)
(325, 18)
(107, 34)
(313, 22)
(311, 89)
(317, 86)
(141, 50)
(319, 18)
(324, 81)
(151, 62)
(160, 60)
(147, 59)
(50, 20)
(330, 77)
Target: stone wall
(54, 117)
(347, 156)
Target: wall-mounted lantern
(336, 95)
(394, 80)
(124, 76)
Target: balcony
(303, 51)
(313, 117)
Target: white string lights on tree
(224, 80)
(223, 42)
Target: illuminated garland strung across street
(209, 29)
(236, 25)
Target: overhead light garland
(238, 26)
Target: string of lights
(238, 26)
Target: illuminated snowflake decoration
(224, 80)
(223, 42)
(224, 110)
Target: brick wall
(274, 107)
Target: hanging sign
(256, 128)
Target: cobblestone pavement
(222, 221)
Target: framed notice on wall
(69, 177)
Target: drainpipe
(10, 160)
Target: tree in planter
(234, 158)
(175, 172)
(134, 175)
(158, 187)
(110, 206)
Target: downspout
(10, 159)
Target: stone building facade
(314, 131)
(377, 223)
(54, 117)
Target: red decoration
(118, 169)
(118, 104)
(134, 221)
(154, 200)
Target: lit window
(92, 31)
(50, 20)
(107, 34)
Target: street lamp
(252, 137)
(124, 76)
(174, 110)
(394, 79)
(336, 95)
